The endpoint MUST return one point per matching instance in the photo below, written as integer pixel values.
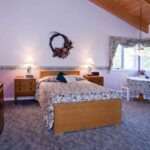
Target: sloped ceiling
(128, 10)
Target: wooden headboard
(53, 73)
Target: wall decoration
(62, 51)
(11, 67)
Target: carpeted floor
(24, 130)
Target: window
(117, 61)
(130, 58)
(125, 58)
(145, 60)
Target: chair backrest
(124, 79)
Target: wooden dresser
(1, 108)
(95, 79)
(24, 87)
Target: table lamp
(29, 65)
(90, 65)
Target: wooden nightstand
(95, 79)
(24, 87)
(1, 108)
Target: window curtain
(146, 42)
(125, 42)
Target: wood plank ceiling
(128, 10)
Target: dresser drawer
(95, 79)
(24, 87)
(1, 101)
(25, 93)
(24, 83)
(1, 108)
(101, 81)
(1, 95)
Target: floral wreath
(63, 51)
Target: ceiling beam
(147, 2)
(118, 11)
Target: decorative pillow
(48, 79)
(70, 78)
(61, 78)
(79, 78)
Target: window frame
(141, 63)
(122, 66)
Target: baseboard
(19, 98)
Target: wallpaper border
(13, 67)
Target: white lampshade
(29, 63)
(29, 60)
(90, 61)
(90, 65)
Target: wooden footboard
(84, 115)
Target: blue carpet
(24, 130)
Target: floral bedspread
(49, 93)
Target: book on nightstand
(95, 73)
(30, 76)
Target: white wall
(26, 25)
(146, 35)
(113, 79)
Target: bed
(82, 114)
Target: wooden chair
(124, 87)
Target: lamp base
(29, 76)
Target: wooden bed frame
(84, 115)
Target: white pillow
(79, 78)
(142, 76)
(48, 79)
(70, 78)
